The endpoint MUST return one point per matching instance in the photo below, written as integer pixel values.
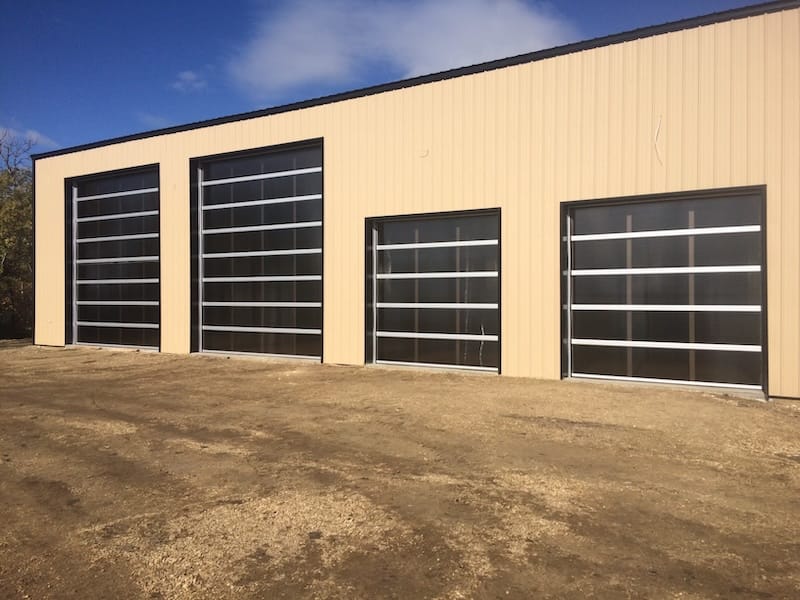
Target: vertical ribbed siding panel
(738, 101)
(571, 126)
(348, 321)
(612, 147)
(552, 107)
(660, 117)
(706, 119)
(334, 173)
(672, 128)
(629, 101)
(644, 115)
(561, 75)
(690, 104)
(175, 255)
(479, 150)
(773, 143)
(756, 102)
(790, 154)
(600, 118)
(516, 169)
(530, 200)
(49, 293)
(582, 159)
(722, 110)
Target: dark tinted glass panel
(660, 252)
(727, 212)
(263, 189)
(128, 226)
(119, 204)
(118, 336)
(302, 318)
(272, 291)
(254, 241)
(289, 212)
(658, 363)
(709, 288)
(116, 249)
(600, 219)
(118, 183)
(599, 254)
(441, 352)
(473, 289)
(668, 214)
(597, 325)
(263, 343)
(728, 328)
(132, 270)
(119, 291)
(728, 249)
(426, 260)
(121, 314)
(270, 162)
(728, 288)
(439, 230)
(245, 266)
(708, 327)
(599, 360)
(729, 367)
(435, 320)
(601, 289)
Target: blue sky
(79, 71)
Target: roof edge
(608, 40)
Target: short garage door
(668, 290)
(435, 291)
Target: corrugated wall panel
(713, 106)
(773, 145)
(790, 154)
(690, 110)
(672, 127)
(722, 104)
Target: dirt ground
(139, 475)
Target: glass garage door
(115, 266)
(668, 291)
(435, 283)
(260, 246)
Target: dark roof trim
(634, 34)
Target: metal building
(623, 208)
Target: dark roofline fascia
(617, 38)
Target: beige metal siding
(709, 107)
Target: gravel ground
(139, 475)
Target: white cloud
(152, 121)
(338, 41)
(189, 81)
(37, 138)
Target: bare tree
(16, 236)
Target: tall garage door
(434, 292)
(260, 253)
(115, 260)
(670, 290)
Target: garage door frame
(196, 164)
(71, 199)
(370, 291)
(565, 278)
